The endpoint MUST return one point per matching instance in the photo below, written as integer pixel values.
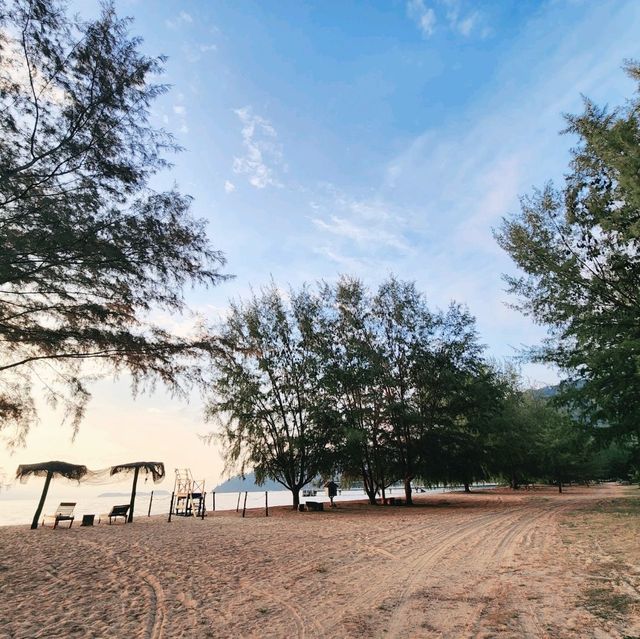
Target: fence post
(171, 507)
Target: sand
(492, 564)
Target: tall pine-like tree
(579, 249)
(89, 250)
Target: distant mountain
(156, 493)
(238, 484)
(547, 391)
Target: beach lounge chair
(119, 511)
(64, 512)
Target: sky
(364, 138)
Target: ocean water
(16, 509)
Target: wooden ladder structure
(189, 494)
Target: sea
(17, 509)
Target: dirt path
(495, 564)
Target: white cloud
(229, 187)
(262, 150)
(360, 233)
(466, 24)
(363, 234)
(458, 20)
(180, 112)
(422, 15)
(194, 53)
(181, 19)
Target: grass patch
(606, 603)
(628, 507)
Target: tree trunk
(559, 485)
(296, 497)
(132, 501)
(47, 481)
(369, 487)
(407, 492)
(466, 487)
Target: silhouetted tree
(89, 249)
(266, 395)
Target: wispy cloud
(360, 233)
(459, 20)
(180, 111)
(229, 187)
(364, 235)
(468, 177)
(263, 152)
(196, 52)
(181, 19)
(423, 16)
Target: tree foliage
(346, 339)
(579, 249)
(89, 250)
(266, 394)
(342, 379)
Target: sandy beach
(491, 564)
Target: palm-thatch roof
(156, 469)
(63, 469)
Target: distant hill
(238, 484)
(547, 391)
(156, 493)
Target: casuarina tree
(89, 249)
(578, 247)
(266, 398)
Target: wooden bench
(63, 513)
(119, 511)
(314, 505)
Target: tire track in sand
(157, 604)
(491, 587)
(384, 583)
(482, 528)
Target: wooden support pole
(132, 503)
(203, 505)
(171, 507)
(266, 503)
(43, 497)
(238, 504)
(244, 507)
(150, 502)
(213, 499)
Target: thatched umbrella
(155, 469)
(48, 470)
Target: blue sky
(366, 138)
(379, 137)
